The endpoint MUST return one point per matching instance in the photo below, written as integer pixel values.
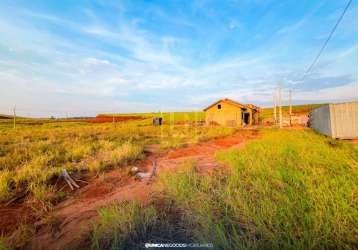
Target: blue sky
(89, 57)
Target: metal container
(157, 121)
(337, 120)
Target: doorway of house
(246, 118)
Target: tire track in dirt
(77, 214)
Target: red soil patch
(77, 214)
(105, 184)
(213, 145)
(297, 127)
(14, 215)
(105, 119)
(354, 142)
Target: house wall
(228, 115)
(255, 118)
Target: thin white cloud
(292, 27)
(343, 93)
(43, 64)
(91, 61)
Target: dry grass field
(282, 189)
(33, 156)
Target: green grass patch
(287, 190)
(267, 113)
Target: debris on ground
(71, 183)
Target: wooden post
(290, 103)
(14, 116)
(274, 107)
(280, 105)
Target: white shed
(337, 120)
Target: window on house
(219, 106)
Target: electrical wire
(326, 41)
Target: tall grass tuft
(113, 156)
(130, 225)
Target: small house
(229, 113)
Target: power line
(324, 44)
(327, 40)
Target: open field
(146, 118)
(33, 157)
(178, 124)
(246, 189)
(168, 117)
(265, 113)
(37, 154)
(288, 190)
(6, 121)
(296, 110)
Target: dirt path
(76, 215)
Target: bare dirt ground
(106, 119)
(76, 215)
(354, 142)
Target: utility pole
(290, 103)
(280, 105)
(274, 106)
(14, 116)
